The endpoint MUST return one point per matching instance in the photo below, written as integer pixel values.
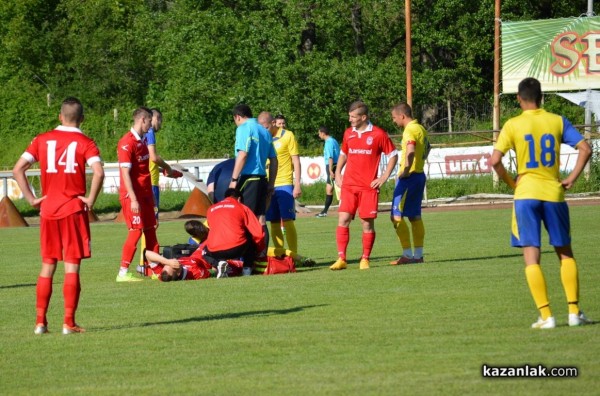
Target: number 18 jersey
(62, 154)
(536, 136)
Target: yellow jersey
(536, 136)
(286, 146)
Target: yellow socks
(291, 236)
(570, 282)
(537, 287)
(402, 233)
(418, 231)
(276, 234)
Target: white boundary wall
(442, 162)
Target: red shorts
(145, 218)
(68, 237)
(365, 201)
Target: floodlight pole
(496, 115)
(588, 108)
(408, 53)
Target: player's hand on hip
(37, 201)
(377, 183)
(87, 201)
(567, 183)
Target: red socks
(71, 291)
(368, 240)
(130, 246)
(43, 294)
(342, 236)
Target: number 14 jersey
(536, 136)
(62, 155)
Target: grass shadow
(233, 315)
(17, 286)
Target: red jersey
(198, 257)
(230, 223)
(193, 269)
(363, 152)
(62, 154)
(132, 152)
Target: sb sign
(569, 48)
(467, 164)
(563, 54)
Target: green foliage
(195, 60)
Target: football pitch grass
(417, 329)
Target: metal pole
(408, 53)
(588, 107)
(496, 112)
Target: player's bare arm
(342, 159)
(240, 161)
(409, 157)
(585, 152)
(386, 173)
(97, 179)
(496, 162)
(297, 172)
(273, 166)
(19, 175)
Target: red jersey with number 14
(363, 152)
(132, 152)
(62, 154)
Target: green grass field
(419, 329)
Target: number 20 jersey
(62, 154)
(536, 136)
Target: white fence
(442, 162)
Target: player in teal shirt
(331, 153)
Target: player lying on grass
(193, 267)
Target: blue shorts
(528, 215)
(283, 204)
(408, 195)
(156, 193)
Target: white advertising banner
(442, 162)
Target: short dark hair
(280, 117)
(232, 192)
(530, 90)
(196, 229)
(165, 276)
(72, 109)
(242, 110)
(139, 112)
(324, 129)
(403, 108)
